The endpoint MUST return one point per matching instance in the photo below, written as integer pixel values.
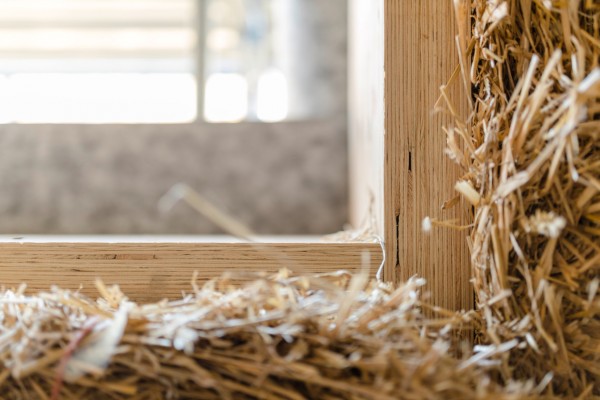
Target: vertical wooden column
(406, 140)
(420, 56)
(366, 111)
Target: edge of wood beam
(151, 271)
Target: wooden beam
(366, 116)
(420, 56)
(147, 271)
(401, 52)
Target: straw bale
(531, 156)
(323, 337)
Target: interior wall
(277, 178)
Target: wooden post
(366, 111)
(402, 52)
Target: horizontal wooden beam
(150, 271)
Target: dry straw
(322, 337)
(531, 152)
(531, 157)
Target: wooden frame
(150, 269)
(401, 51)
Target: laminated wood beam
(148, 271)
(420, 56)
(401, 53)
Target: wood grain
(366, 116)
(149, 271)
(420, 56)
(401, 52)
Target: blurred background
(105, 104)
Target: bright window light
(99, 61)
(5, 103)
(98, 40)
(98, 98)
(225, 98)
(272, 96)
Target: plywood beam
(366, 116)
(401, 53)
(148, 271)
(420, 56)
